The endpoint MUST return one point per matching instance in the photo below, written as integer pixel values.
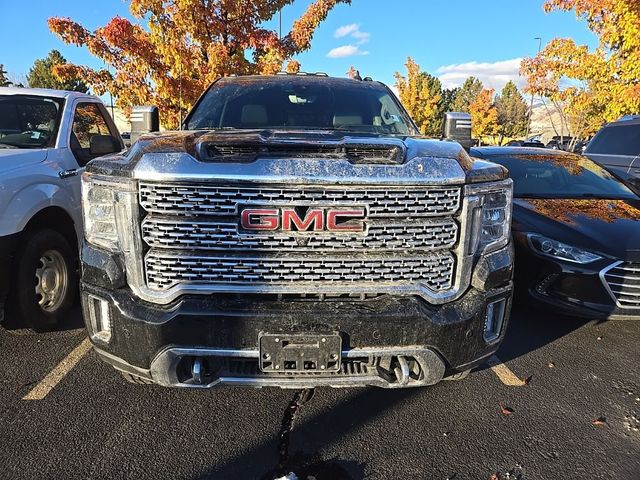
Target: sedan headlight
(99, 196)
(492, 220)
(558, 250)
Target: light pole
(532, 93)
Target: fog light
(99, 318)
(494, 320)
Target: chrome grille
(178, 234)
(623, 281)
(220, 201)
(191, 239)
(165, 270)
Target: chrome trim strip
(163, 369)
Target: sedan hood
(12, 158)
(610, 227)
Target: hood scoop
(357, 153)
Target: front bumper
(386, 340)
(569, 288)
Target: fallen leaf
(505, 410)
(600, 337)
(599, 422)
(494, 477)
(527, 380)
(551, 365)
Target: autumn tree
(4, 81)
(467, 94)
(484, 115)
(421, 95)
(186, 45)
(41, 74)
(512, 112)
(603, 84)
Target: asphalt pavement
(561, 401)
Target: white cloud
(353, 30)
(346, 51)
(493, 75)
(345, 30)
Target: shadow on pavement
(74, 321)
(531, 328)
(320, 429)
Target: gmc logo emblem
(315, 220)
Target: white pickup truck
(46, 139)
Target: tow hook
(197, 370)
(402, 370)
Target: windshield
(29, 122)
(561, 176)
(300, 103)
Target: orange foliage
(603, 83)
(484, 114)
(186, 45)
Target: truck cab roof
(43, 92)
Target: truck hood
(237, 151)
(12, 158)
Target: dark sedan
(576, 230)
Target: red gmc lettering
(260, 219)
(334, 215)
(315, 217)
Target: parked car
(617, 148)
(46, 138)
(525, 143)
(299, 232)
(577, 233)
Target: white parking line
(503, 373)
(45, 385)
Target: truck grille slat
(220, 201)
(165, 270)
(623, 281)
(202, 235)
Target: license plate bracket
(299, 353)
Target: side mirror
(457, 128)
(144, 119)
(103, 145)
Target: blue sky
(451, 39)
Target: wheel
(458, 376)
(45, 280)
(129, 377)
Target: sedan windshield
(28, 121)
(300, 103)
(561, 176)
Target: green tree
(467, 94)
(41, 74)
(448, 98)
(512, 112)
(421, 95)
(4, 81)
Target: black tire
(129, 377)
(23, 301)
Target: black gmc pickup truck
(299, 232)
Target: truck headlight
(492, 220)
(558, 250)
(99, 196)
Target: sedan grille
(623, 281)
